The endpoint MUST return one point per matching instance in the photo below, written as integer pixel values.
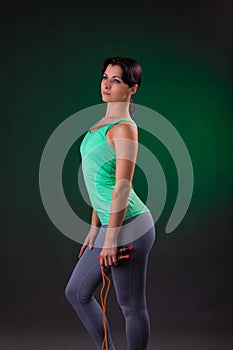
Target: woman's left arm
(125, 141)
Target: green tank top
(99, 169)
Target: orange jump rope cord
(104, 307)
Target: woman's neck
(117, 110)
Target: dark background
(50, 68)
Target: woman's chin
(105, 99)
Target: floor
(22, 340)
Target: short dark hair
(131, 70)
(131, 73)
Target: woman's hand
(89, 240)
(108, 257)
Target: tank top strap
(117, 121)
(107, 126)
(126, 118)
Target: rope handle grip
(121, 254)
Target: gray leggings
(129, 280)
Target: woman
(109, 151)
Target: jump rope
(122, 255)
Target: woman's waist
(131, 229)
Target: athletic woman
(119, 217)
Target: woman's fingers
(82, 250)
(89, 241)
(103, 262)
(91, 244)
(85, 244)
(101, 259)
(114, 260)
(92, 237)
(108, 258)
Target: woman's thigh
(86, 275)
(129, 277)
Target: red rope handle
(104, 306)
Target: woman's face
(113, 89)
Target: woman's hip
(132, 229)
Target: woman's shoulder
(124, 128)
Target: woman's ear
(133, 89)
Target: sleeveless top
(99, 170)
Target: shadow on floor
(23, 340)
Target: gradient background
(51, 67)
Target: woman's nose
(107, 84)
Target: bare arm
(91, 236)
(126, 146)
(95, 221)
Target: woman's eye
(115, 80)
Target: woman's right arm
(91, 236)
